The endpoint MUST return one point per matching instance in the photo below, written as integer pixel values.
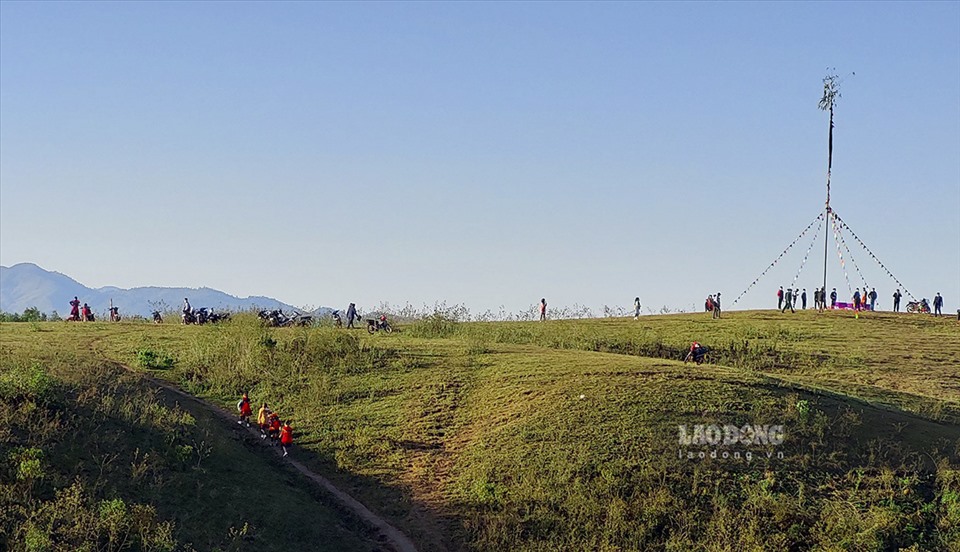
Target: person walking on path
(788, 301)
(543, 309)
(716, 306)
(896, 300)
(274, 430)
(263, 420)
(780, 299)
(803, 299)
(937, 304)
(243, 406)
(351, 315)
(286, 437)
(636, 308)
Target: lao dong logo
(728, 441)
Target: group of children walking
(269, 422)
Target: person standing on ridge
(351, 315)
(937, 304)
(896, 300)
(543, 309)
(788, 301)
(833, 298)
(636, 308)
(803, 298)
(873, 299)
(856, 300)
(780, 299)
(716, 306)
(286, 437)
(243, 406)
(74, 309)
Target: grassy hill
(562, 435)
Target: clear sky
(480, 153)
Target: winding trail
(387, 534)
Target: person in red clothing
(286, 437)
(274, 430)
(245, 411)
(74, 310)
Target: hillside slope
(567, 435)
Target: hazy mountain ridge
(27, 285)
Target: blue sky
(480, 153)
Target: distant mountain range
(26, 285)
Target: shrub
(22, 383)
(148, 358)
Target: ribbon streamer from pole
(874, 257)
(850, 253)
(807, 254)
(757, 279)
(843, 265)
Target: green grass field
(560, 435)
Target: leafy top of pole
(831, 91)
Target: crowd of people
(268, 422)
(80, 314)
(862, 299)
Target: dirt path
(388, 535)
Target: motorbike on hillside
(301, 320)
(275, 318)
(337, 320)
(188, 317)
(380, 324)
(697, 354)
(157, 319)
(921, 306)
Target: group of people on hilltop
(862, 299)
(78, 313)
(269, 423)
(712, 304)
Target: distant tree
(33, 314)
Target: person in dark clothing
(873, 299)
(780, 299)
(74, 309)
(352, 315)
(833, 298)
(543, 309)
(937, 304)
(856, 300)
(803, 299)
(788, 301)
(896, 300)
(716, 306)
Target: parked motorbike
(380, 324)
(337, 320)
(918, 306)
(697, 355)
(300, 319)
(275, 318)
(188, 317)
(157, 319)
